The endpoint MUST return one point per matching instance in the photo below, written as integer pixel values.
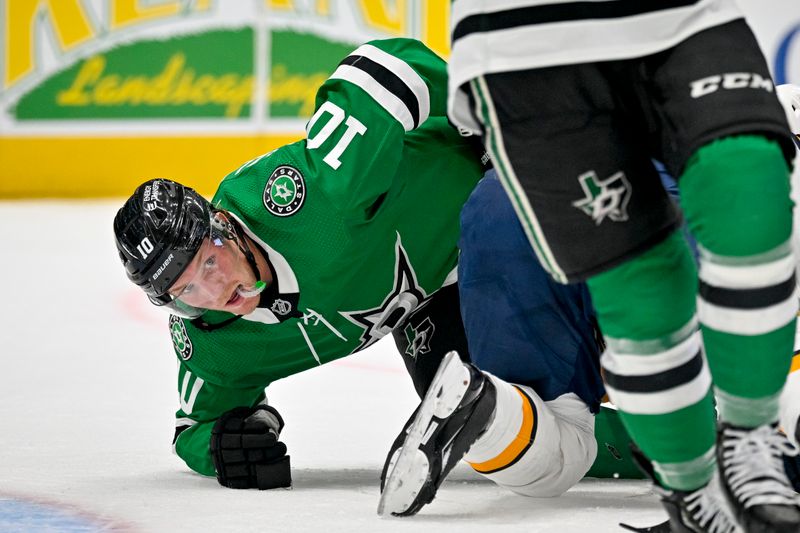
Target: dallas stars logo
(406, 297)
(419, 337)
(180, 339)
(285, 191)
(606, 198)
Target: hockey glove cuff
(246, 451)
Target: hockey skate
(456, 409)
(699, 511)
(751, 464)
(791, 464)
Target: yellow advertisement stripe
(96, 167)
(518, 445)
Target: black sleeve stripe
(178, 431)
(390, 81)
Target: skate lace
(753, 465)
(709, 513)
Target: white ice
(88, 393)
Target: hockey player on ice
(539, 441)
(312, 252)
(265, 465)
(572, 99)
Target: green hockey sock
(653, 366)
(735, 195)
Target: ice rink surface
(88, 386)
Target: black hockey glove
(246, 451)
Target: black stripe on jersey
(748, 298)
(178, 431)
(543, 14)
(659, 381)
(390, 81)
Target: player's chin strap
(232, 230)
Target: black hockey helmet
(158, 231)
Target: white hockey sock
(532, 447)
(509, 433)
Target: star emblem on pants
(604, 198)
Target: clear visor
(205, 284)
(203, 289)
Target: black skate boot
(791, 464)
(455, 411)
(754, 478)
(699, 511)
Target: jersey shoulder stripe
(513, 35)
(559, 12)
(390, 81)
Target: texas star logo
(180, 339)
(285, 191)
(406, 297)
(604, 198)
(419, 337)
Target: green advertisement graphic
(205, 75)
(208, 75)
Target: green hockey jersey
(359, 222)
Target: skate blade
(412, 474)
(408, 474)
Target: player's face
(212, 278)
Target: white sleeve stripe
(746, 276)
(184, 422)
(388, 100)
(404, 72)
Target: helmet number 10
(145, 247)
(336, 116)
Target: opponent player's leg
(526, 329)
(542, 449)
(735, 195)
(458, 406)
(536, 440)
(506, 432)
